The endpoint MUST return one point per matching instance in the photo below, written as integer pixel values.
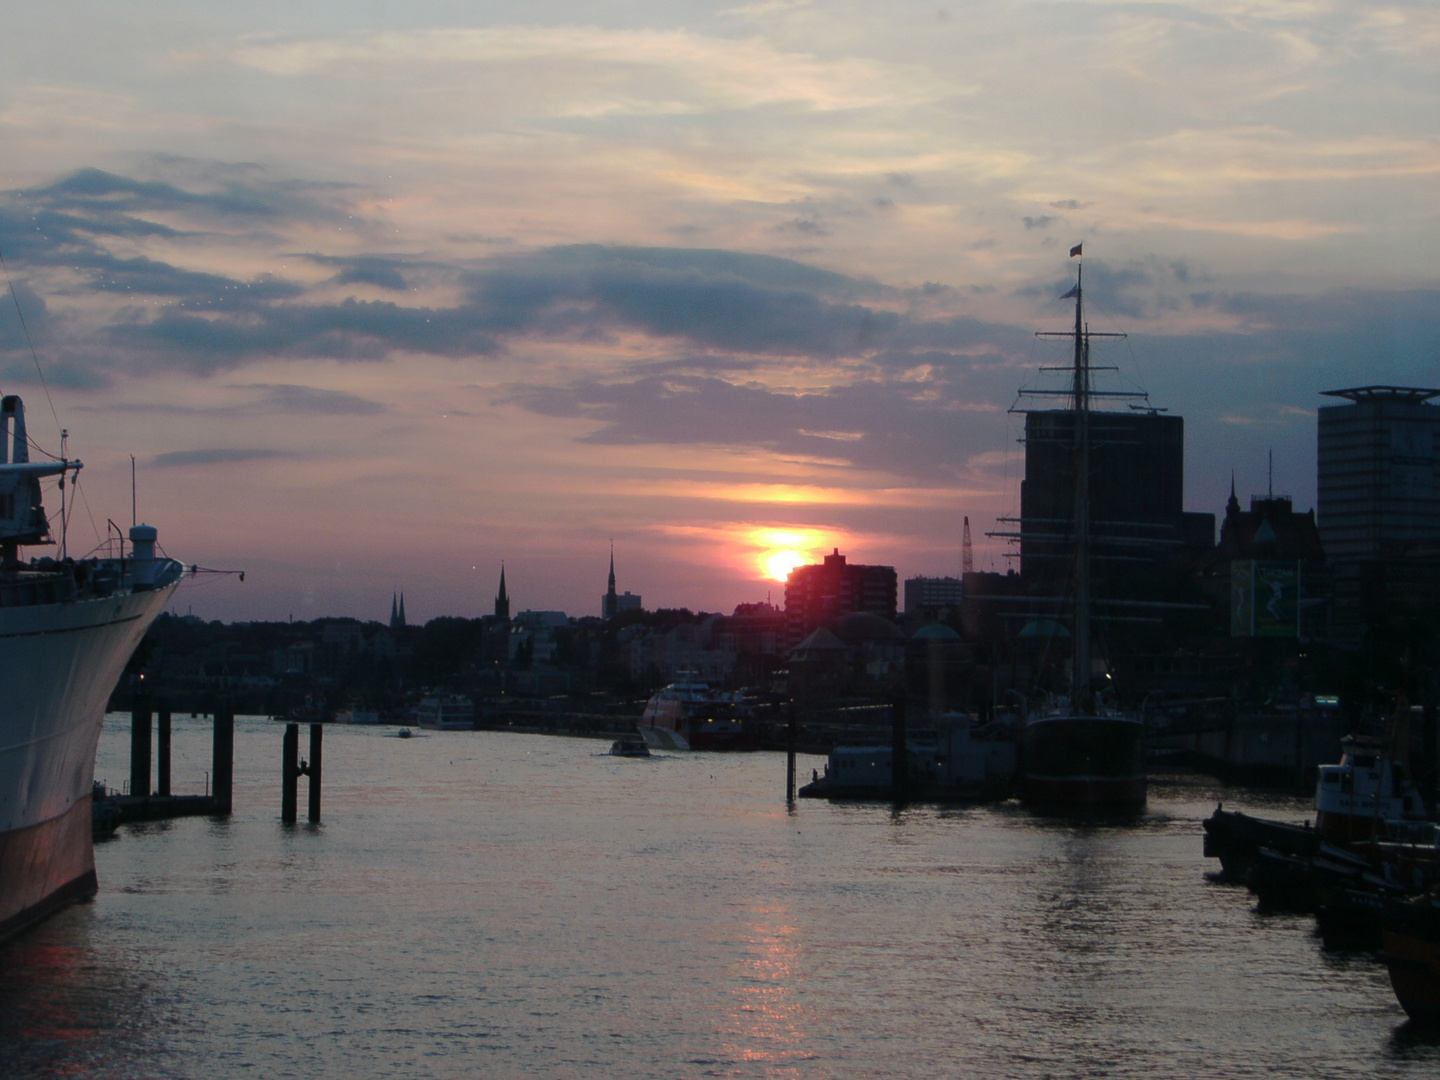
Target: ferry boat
(67, 629)
(956, 761)
(688, 715)
(449, 713)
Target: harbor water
(492, 904)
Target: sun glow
(778, 564)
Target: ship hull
(1084, 763)
(663, 738)
(46, 867)
(1411, 951)
(58, 665)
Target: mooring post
(899, 751)
(140, 746)
(162, 747)
(289, 773)
(313, 769)
(223, 756)
(790, 753)
(1428, 750)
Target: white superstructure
(67, 629)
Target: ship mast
(1080, 395)
(1080, 674)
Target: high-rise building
(1378, 502)
(927, 597)
(1137, 481)
(822, 592)
(1377, 469)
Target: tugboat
(1366, 797)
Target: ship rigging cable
(25, 329)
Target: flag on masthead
(1076, 250)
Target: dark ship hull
(1084, 763)
(1411, 937)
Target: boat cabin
(1366, 794)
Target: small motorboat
(630, 746)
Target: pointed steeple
(402, 610)
(394, 613)
(502, 599)
(1233, 506)
(610, 603)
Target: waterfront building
(1378, 494)
(819, 594)
(1377, 459)
(1270, 563)
(927, 597)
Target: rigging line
(1135, 376)
(80, 497)
(26, 329)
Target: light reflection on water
(486, 904)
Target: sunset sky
(379, 295)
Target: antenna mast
(64, 520)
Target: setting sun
(778, 564)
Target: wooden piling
(899, 750)
(162, 748)
(140, 746)
(790, 755)
(1431, 753)
(289, 773)
(313, 770)
(223, 756)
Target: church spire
(610, 603)
(502, 599)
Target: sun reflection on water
(768, 1024)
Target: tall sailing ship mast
(1077, 753)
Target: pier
(142, 803)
